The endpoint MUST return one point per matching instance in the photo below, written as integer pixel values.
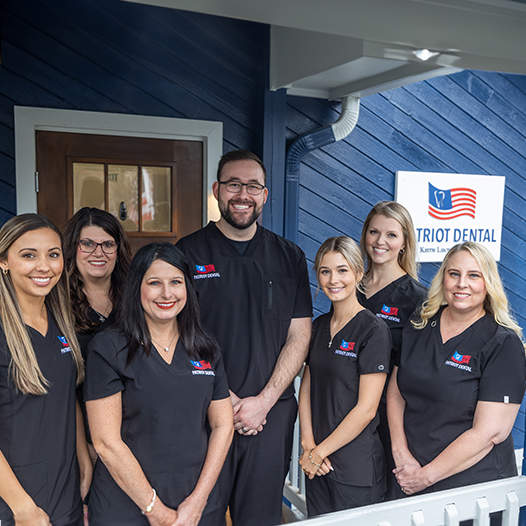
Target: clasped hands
(250, 414)
(411, 478)
(312, 465)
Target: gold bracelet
(149, 508)
(312, 461)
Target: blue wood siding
(120, 57)
(471, 122)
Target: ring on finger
(244, 430)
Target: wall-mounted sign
(452, 208)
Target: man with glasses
(254, 293)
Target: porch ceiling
(335, 48)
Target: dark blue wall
(121, 57)
(471, 122)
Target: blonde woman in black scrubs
(42, 438)
(342, 384)
(390, 287)
(459, 382)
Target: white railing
(443, 508)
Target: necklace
(35, 315)
(102, 315)
(341, 325)
(169, 345)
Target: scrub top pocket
(279, 296)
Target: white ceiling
(334, 48)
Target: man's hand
(250, 415)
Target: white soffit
(366, 46)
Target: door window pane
(123, 192)
(88, 186)
(156, 199)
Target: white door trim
(28, 120)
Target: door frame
(30, 119)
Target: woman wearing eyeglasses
(98, 258)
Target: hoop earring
(402, 251)
(5, 271)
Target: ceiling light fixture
(425, 54)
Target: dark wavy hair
(110, 224)
(199, 343)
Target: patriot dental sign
(452, 208)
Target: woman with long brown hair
(42, 440)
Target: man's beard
(224, 208)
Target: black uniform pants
(252, 479)
(324, 495)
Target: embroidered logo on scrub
(346, 349)
(389, 313)
(66, 348)
(459, 361)
(206, 271)
(202, 368)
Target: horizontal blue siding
(120, 57)
(470, 122)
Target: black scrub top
(441, 384)
(38, 433)
(363, 346)
(395, 304)
(248, 301)
(164, 410)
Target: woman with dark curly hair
(98, 256)
(97, 259)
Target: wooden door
(168, 182)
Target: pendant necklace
(167, 349)
(102, 315)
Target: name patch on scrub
(346, 349)
(459, 361)
(202, 368)
(206, 271)
(389, 313)
(65, 345)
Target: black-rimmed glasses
(89, 246)
(234, 187)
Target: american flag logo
(449, 204)
(460, 358)
(347, 346)
(204, 269)
(392, 311)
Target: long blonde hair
(495, 302)
(24, 368)
(394, 210)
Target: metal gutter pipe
(306, 143)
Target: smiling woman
(151, 385)
(459, 380)
(40, 363)
(341, 388)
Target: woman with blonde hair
(390, 287)
(42, 440)
(459, 382)
(341, 388)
